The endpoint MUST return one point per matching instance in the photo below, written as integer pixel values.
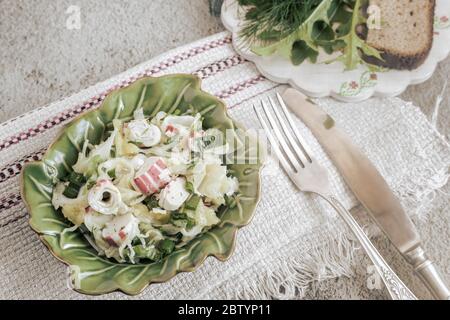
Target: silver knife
(369, 187)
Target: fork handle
(397, 289)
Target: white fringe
(419, 194)
(298, 271)
(295, 274)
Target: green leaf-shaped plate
(91, 273)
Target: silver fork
(309, 176)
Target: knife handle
(428, 273)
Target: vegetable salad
(150, 187)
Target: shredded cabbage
(59, 200)
(102, 152)
(123, 147)
(126, 183)
(214, 183)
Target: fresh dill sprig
(271, 20)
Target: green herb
(77, 179)
(272, 20)
(136, 143)
(166, 246)
(230, 202)
(90, 184)
(169, 141)
(71, 191)
(175, 237)
(182, 220)
(136, 241)
(189, 187)
(193, 202)
(178, 236)
(150, 252)
(151, 202)
(112, 173)
(191, 165)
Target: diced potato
(74, 213)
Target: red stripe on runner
(13, 169)
(10, 201)
(7, 203)
(48, 124)
(219, 66)
(240, 87)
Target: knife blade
(369, 187)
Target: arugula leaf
(301, 51)
(354, 45)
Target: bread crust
(399, 61)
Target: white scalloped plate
(320, 80)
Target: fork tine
(301, 141)
(298, 151)
(272, 140)
(281, 139)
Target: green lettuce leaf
(355, 46)
(332, 27)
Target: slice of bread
(406, 35)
